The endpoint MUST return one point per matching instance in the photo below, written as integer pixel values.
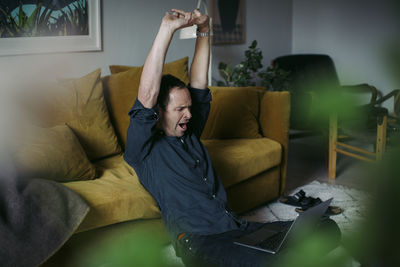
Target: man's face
(175, 117)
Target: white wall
(129, 27)
(267, 21)
(354, 33)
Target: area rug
(349, 199)
(352, 201)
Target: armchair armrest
(361, 88)
(396, 103)
(274, 123)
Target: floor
(308, 161)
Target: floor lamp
(190, 33)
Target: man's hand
(178, 19)
(201, 20)
(152, 71)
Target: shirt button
(226, 211)
(213, 196)
(197, 160)
(205, 179)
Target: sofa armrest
(274, 123)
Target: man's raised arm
(152, 71)
(201, 58)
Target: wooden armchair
(377, 124)
(313, 81)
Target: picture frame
(59, 44)
(228, 20)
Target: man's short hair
(168, 82)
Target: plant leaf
(32, 21)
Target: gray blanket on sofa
(36, 218)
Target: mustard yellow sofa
(85, 122)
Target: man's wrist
(203, 31)
(203, 28)
(203, 34)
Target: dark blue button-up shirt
(178, 173)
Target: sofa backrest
(234, 111)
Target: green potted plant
(244, 73)
(276, 79)
(247, 72)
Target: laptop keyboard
(273, 242)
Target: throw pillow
(52, 153)
(80, 103)
(121, 89)
(234, 113)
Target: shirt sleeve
(141, 131)
(201, 99)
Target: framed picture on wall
(49, 26)
(228, 17)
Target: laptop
(271, 238)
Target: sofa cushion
(116, 196)
(121, 89)
(79, 103)
(236, 160)
(234, 113)
(52, 153)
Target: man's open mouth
(183, 126)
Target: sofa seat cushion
(116, 196)
(236, 160)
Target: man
(164, 148)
